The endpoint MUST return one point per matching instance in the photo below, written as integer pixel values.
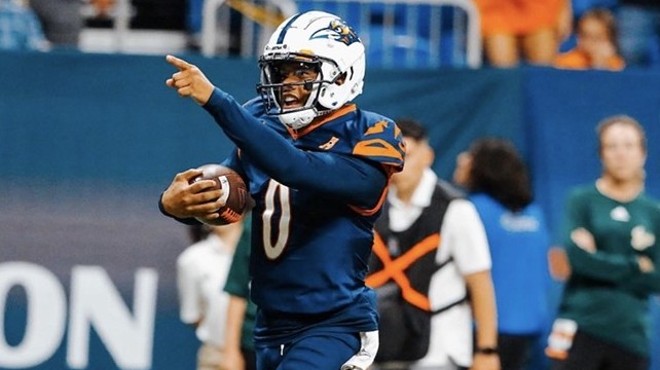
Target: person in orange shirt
(597, 46)
(523, 30)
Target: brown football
(234, 192)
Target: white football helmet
(323, 41)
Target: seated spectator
(523, 30)
(19, 27)
(103, 8)
(596, 47)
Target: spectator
(527, 30)
(241, 313)
(496, 177)
(103, 8)
(430, 255)
(639, 31)
(201, 273)
(19, 27)
(597, 46)
(62, 21)
(611, 238)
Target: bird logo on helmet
(318, 41)
(339, 31)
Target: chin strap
(298, 120)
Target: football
(234, 193)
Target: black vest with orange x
(401, 267)
(408, 257)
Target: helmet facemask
(273, 88)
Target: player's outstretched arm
(189, 81)
(183, 200)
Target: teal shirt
(607, 295)
(238, 284)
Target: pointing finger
(180, 64)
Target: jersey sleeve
(341, 176)
(382, 143)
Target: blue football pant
(322, 351)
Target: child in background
(597, 47)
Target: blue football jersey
(316, 201)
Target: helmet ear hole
(340, 79)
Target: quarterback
(317, 168)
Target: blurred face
(622, 154)
(593, 37)
(419, 156)
(463, 167)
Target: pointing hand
(189, 81)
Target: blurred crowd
(571, 34)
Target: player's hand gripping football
(183, 199)
(189, 81)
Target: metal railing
(216, 24)
(397, 33)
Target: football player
(318, 169)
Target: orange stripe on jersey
(377, 148)
(348, 108)
(377, 128)
(369, 212)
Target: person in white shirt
(431, 250)
(202, 270)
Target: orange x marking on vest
(394, 269)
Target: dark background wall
(87, 142)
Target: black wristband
(486, 350)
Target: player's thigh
(320, 352)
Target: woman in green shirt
(610, 234)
